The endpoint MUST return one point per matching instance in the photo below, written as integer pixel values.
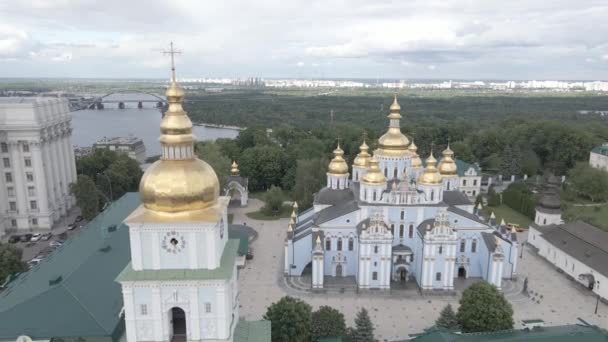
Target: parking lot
(59, 232)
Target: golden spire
(338, 165)
(234, 168)
(289, 227)
(178, 182)
(362, 159)
(416, 161)
(373, 176)
(293, 214)
(431, 175)
(295, 205)
(318, 245)
(393, 142)
(447, 166)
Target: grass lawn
(259, 215)
(510, 215)
(597, 215)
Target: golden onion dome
(234, 168)
(447, 166)
(178, 181)
(338, 165)
(373, 176)
(393, 142)
(431, 175)
(416, 161)
(363, 157)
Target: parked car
(46, 236)
(71, 226)
(517, 227)
(78, 219)
(25, 237)
(36, 237)
(14, 239)
(56, 243)
(33, 262)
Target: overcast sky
(404, 39)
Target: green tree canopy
(264, 165)
(310, 178)
(588, 182)
(290, 320)
(327, 322)
(87, 196)
(483, 308)
(211, 152)
(364, 328)
(10, 261)
(447, 318)
(273, 199)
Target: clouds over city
(325, 38)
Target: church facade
(394, 220)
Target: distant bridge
(98, 102)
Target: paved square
(554, 298)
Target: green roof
(258, 331)
(603, 149)
(225, 271)
(72, 292)
(464, 166)
(563, 333)
(243, 238)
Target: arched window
(402, 214)
(385, 172)
(474, 246)
(374, 196)
(401, 231)
(474, 191)
(365, 194)
(463, 244)
(432, 195)
(464, 182)
(411, 232)
(392, 229)
(351, 244)
(448, 185)
(440, 249)
(376, 249)
(339, 248)
(395, 174)
(374, 275)
(438, 276)
(544, 221)
(328, 244)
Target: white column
(193, 254)
(195, 319)
(127, 297)
(69, 165)
(64, 170)
(499, 275)
(157, 314)
(155, 251)
(19, 180)
(135, 243)
(39, 178)
(50, 178)
(222, 329)
(56, 171)
(431, 272)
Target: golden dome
(416, 161)
(431, 175)
(373, 176)
(234, 168)
(338, 165)
(179, 181)
(363, 157)
(447, 166)
(393, 142)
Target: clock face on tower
(173, 242)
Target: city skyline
(335, 39)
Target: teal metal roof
(225, 271)
(243, 238)
(563, 333)
(603, 149)
(257, 331)
(73, 292)
(464, 166)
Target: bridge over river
(121, 99)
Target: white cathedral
(394, 221)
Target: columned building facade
(37, 163)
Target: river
(91, 125)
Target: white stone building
(37, 163)
(598, 157)
(132, 146)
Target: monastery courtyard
(554, 298)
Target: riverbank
(209, 125)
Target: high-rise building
(132, 146)
(37, 163)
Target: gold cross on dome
(172, 52)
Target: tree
(478, 199)
(530, 164)
(87, 196)
(310, 178)
(290, 320)
(327, 322)
(493, 197)
(364, 329)
(10, 261)
(273, 199)
(212, 153)
(447, 319)
(264, 165)
(588, 182)
(483, 308)
(511, 161)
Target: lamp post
(109, 183)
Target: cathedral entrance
(403, 276)
(177, 320)
(462, 272)
(339, 270)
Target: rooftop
(603, 149)
(130, 140)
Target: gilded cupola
(178, 181)
(430, 175)
(338, 165)
(374, 175)
(393, 142)
(447, 166)
(362, 159)
(234, 168)
(416, 161)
